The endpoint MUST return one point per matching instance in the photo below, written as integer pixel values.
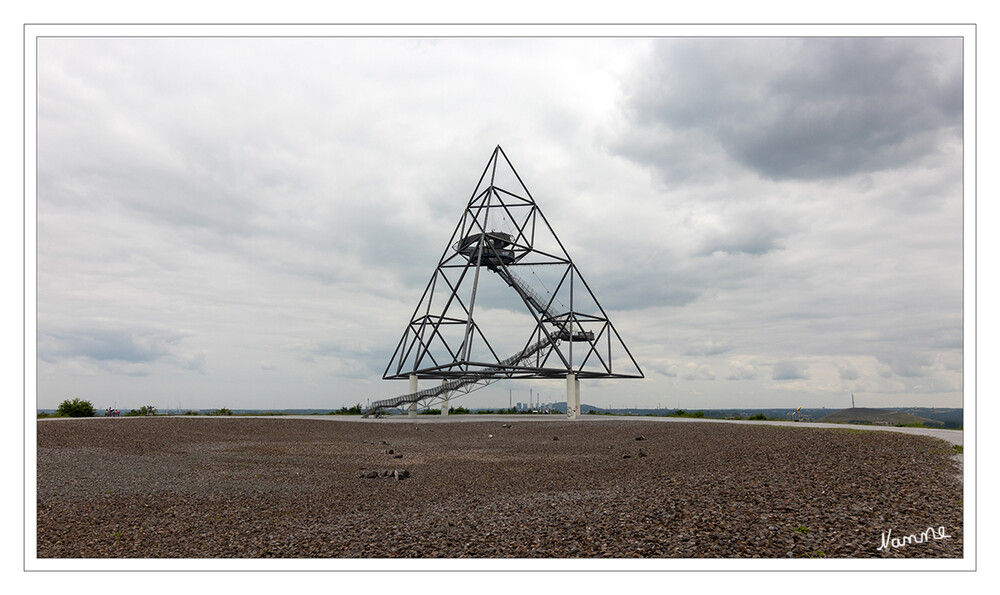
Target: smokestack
(852, 400)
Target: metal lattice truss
(468, 316)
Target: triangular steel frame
(443, 340)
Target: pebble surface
(253, 488)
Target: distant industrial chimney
(852, 400)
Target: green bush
(76, 408)
(683, 413)
(191, 413)
(430, 412)
(758, 417)
(355, 410)
(144, 410)
(221, 411)
(459, 411)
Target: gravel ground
(250, 488)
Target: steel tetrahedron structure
(505, 284)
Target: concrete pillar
(572, 396)
(413, 388)
(444, 401)
(576, 390)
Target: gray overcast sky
(250, 222)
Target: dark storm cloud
(794, 108)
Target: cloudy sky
(249, 222)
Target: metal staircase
(484, 378)
(491, 249)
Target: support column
(444, 401)
(572, 396)
(413, 388)
(576, 390)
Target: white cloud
(250, 222)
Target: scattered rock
(374, 473)
(505, 426)
(640, 437)
(626, 456)
(555, 437)
(397, 456)
(642, 453)
(712, 496)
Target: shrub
(355, 410)
(221, 411)
(144, 410)
(430, 412)
(683, 413)
(758, 417)
(458, 411)
(191, 413)
(76, 408)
